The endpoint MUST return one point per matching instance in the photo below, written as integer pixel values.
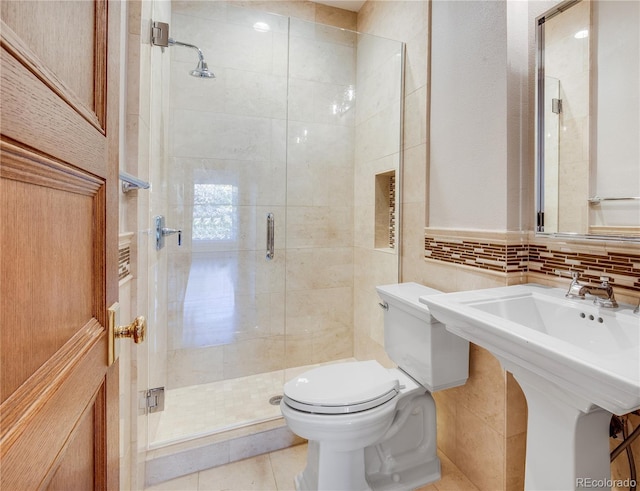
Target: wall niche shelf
(385, 215)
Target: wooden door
(58, 243)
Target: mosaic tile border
(483, 254)
(506, 257)
(392, 211)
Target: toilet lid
(341, 388)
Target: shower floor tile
(199, 410)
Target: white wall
(478, 131)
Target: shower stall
(296, 140)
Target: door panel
(43, 29)
(32, 299)
(32, 112)
(58, 244)
(79, 471)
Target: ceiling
(353, 5)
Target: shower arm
(173, 42)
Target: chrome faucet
(576, 290)
(603, 293)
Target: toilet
(374, 428)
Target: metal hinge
(155, 400)
(540, 221)
(556, 105)
(160, 34)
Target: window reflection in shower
(214, 213)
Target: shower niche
(385, 210)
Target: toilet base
(335, 473)
(404, 458)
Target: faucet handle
(605, 280)
(576, 290)
(568, 273)
(637, 309)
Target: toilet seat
(341, 388)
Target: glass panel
(225, 323)
(551, 152)
(296, 112)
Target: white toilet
(373, 428)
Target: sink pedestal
(567, 437)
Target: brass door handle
(136, 330)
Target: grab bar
(270, 235)
(598, 199)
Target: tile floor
(275, 472)
(201, 409)
(198, 410)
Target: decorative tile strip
(392, 211)
(622, 269)
(505, 258)
(499, 256)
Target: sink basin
(576, 363)
(591, 351)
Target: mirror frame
(539, 140)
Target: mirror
(588, 119)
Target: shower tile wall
(379, 76)
(406, 21)
(319, 237)
(229, 141)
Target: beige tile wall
(481, 425)
(406, 22)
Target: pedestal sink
(577, 363)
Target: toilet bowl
(389, 445)
(374, 428)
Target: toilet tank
(417, 342)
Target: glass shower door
(299, 112)
(226, 172)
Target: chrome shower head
(202, 70)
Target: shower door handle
(162, 232)
(270, 235)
